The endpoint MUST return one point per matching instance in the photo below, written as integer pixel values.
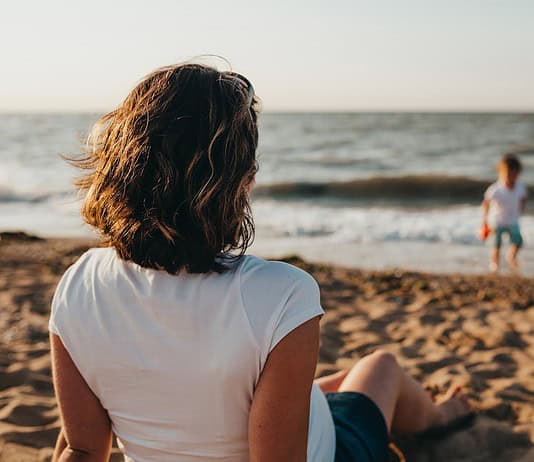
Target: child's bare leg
(512, 256)
(406, 406)
(495, 256)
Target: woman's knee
(379, 363)
(377, 368)
(379, 377)
(383, 359)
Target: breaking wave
(441, 188)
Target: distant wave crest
(441, 188)
(8, 195)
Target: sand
(477, 331)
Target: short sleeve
(523, 191)
(59, 301)
(302, 304)
(52, 326)
(277, 298)
(490, 192)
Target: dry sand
(477, 331)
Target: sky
(330, 55)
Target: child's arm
(523, 200)
(485, 211)
(489, 194)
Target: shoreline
(413, 257)
(424, 258)
(472, 330)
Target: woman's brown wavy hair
(170, 169)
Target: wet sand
(476, 331)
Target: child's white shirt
(505, 203)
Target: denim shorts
(513, 232)
(361, 430)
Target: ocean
(372, 190)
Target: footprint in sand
(33, 415)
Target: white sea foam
(451, 225)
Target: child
(506, 198)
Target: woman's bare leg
(332, 382)
(406, 406)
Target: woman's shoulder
(91, 256)
(276, 284)
(273, 271)
(73, 285)
(277, 297)
(82, 265)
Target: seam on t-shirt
(279, 312)
(243, 307)
(60, 290)
(60, 293)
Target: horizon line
(523, 111)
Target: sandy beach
(472, 330)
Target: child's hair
(511, 163)
(171, 167)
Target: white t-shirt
(175, 359)
(505, 202)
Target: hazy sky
(301, 55)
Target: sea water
(381, 185)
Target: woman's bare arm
(86, 428)
(278, 422)
(61, 445)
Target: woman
(170, 337)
